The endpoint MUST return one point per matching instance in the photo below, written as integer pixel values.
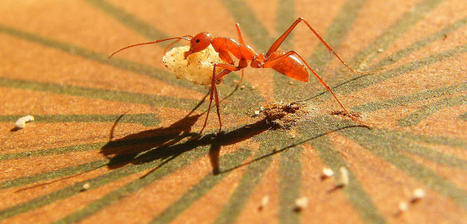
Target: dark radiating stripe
(335, 34)
(391, 149)
(144, 119)
(321, 57)
(250, 178)
(396, 30)
(441, 34)
(52, 151)
(138, 98)
(74, 189)
(249, 24)
(404, 100)
(101, 58)
(429, 109)
(67, 171)
(129, 20)
(202, 187)
(163, 169)
(358, 198)
(290, 184)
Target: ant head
(198, 43)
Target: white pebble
(21, 122)
(264, 202)
(301, 203)
(403, 206)
(86, 186)
(418, 194)
(344, 177)
(256, 112)
(327, 172)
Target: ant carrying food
(288, 63)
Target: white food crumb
(418, 194)
(344, 177)
(403, 206)
(301, 203)
(256, 112)
(327, 172)
(197, 68)
(21, 122)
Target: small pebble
(418, 194)
(264, 202)
(256, 112)
(301, 203)
(86, 186)
(380, 50)
(327, 172)
(344, 177)
(21, 122)
(403, 206)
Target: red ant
(288, 63)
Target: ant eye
(197, 40)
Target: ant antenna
(186, 37)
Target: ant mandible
(288, 63)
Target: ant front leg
(228, 68)
(281, 39)
(272, 62)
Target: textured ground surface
(120, 126)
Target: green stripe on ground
(144, 119)
(429, 109)
(391, 149)
(175, 163)
(438, 157)
(67, 171)
(430, 139)
(364, 81)
(128, 20)
(335, 34)
(404, 100)
(249, 24)
(72, 190)
(285, 16)
(138, 98)
(250, 178)
(202, 187)
(396, 30)
(102, 58)
(355, 193)
(420, 44)
(290, 183)
(52, 151)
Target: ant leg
(240, 37)
(215, 78)
(281, 39)
(284, 56)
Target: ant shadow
(166, 143)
